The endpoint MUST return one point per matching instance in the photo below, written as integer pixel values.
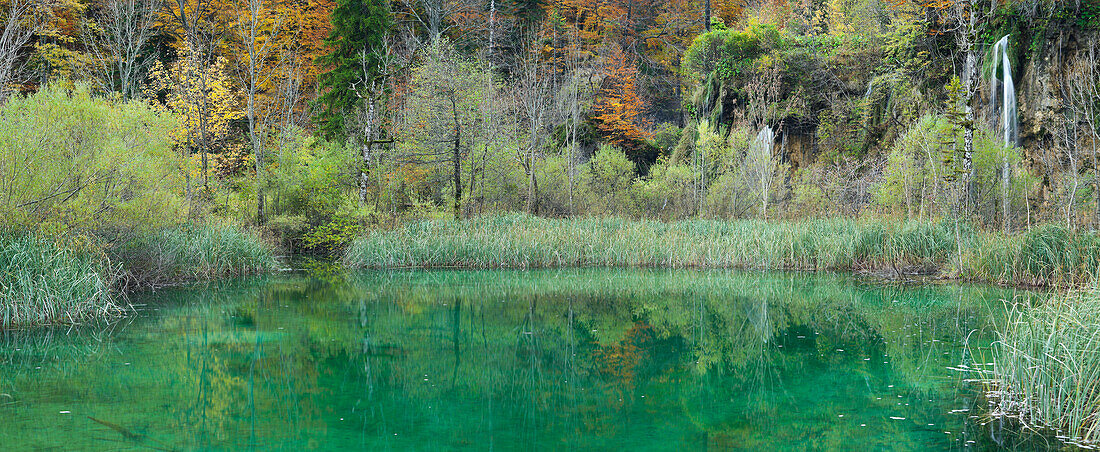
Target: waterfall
(759, 166)
(1009, 126)
(1007, 107)
(764, 140)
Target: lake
(580, 359)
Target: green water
(513, 360)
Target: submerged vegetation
(1049, 255)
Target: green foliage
(668, 192)
(612, 174)
(87, 163)
(43, 281)
(913, 179)
(921, 167)
(357, 40)
(729, 52)
(333, 236)
(310, 178)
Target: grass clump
(45, 282)
(195, 252)
(1047, 366)
(1048, 255)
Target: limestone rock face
(1040, 89)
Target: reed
(1046, 369)
(1046, 256)
(46, 282)
(195, 252)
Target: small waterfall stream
(759, 160)
(1007, 94)
(1008, 124)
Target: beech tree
(617, 113)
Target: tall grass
(195, 253)
(44, 282)
(1045, 256)
(1047, 365)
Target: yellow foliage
(202, 96)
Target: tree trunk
(367, 154)
(968, 133)
(706, 16)
(532, 188)
(456, 158)
(1006, 185)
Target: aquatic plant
(195, 252)
(42, 281)
(1046, 368)
(1046, 256)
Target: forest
(155, 143)
(316, 121)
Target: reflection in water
(512, 360)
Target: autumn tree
(199, 28)
(618, 111)
(206, 102)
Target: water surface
(514, 360)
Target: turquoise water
(515, 360)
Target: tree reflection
(484, 360)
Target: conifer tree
(356, 59)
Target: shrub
(88, 163)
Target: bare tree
(370, 89)
(968, 17)
(23, 19)
(118, 38)
(258, 31)
(442, 17)
(1082, 92)
(531, 97)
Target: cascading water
(764, 140)
(1007, 94)
(759, 163)
(1008, 123)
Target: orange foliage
(934, 4)
(620, 361)
(618, 112)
